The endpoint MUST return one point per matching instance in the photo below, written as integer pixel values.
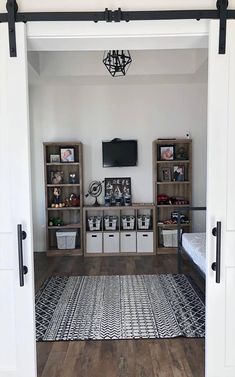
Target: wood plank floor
(119, 358)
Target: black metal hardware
(222, 6)
(216, 265)
(221, 13)
(12, 9)
(23, 270)
(108, 14)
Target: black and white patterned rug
(119, 307)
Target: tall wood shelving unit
(171, 188)
(70, 215)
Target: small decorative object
(55, 221)
(163, 199)
(119, 190)
(128, 222)
(110, 222)
(67, 154)
(72, 178)
(181, 153)
(56, 197)
(56, 177)
(117, 62)
(127, 200)
(167, 152)
(178, 200)
(178, 173)
(94, 222)
(183, 218)
(143, 221)
(74, 200)
(54, 158)
(165, 174)
(94, 190)
(107, 200)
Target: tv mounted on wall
(119, 152)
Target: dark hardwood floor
(118, 358)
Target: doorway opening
(72, 98)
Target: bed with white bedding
(194, 245)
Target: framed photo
(54, 158)
(118, 190)
(165, 174)
(167, 152)
(56, 177)
(178, 173)
(67, 154)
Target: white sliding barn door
(220, 342)
(17, 344)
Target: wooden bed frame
(181, 250)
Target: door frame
(70, 36)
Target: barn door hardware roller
(12, 9)
(221, 13)
(222, 6)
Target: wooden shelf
(173, 182)
(64, 185)
(182, 189)
(173, 162)
(64, 209)
(172, 205)
(62, 163)
(70, 216)
(138, 242)
(70, 226)
(172, 225)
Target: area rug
(119, 307)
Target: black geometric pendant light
(117, 62)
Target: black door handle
(22, 269)
(216, 265)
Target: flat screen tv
(119, 153)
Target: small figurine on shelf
(55, 221)
(72, 178)
(56, 201)
(74, 200)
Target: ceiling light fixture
(117, 62)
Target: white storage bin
(110, 222)
(94, 222)
(66, 240)
(128, 222)
(128, 242)
(170, 237)
(143, 221)
(94, 242)
(111, 242)
(144, 242)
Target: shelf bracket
(222, 6)
(12, 9)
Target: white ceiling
(148, 67)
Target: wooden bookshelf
(173, 182)
(70, 215)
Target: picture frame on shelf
(165, 174)
(57, 177)
(167, 152)
(54, 158)
(178, 173)
(67, 154)
(181, 153)
(118, 190)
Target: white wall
(94, 113)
